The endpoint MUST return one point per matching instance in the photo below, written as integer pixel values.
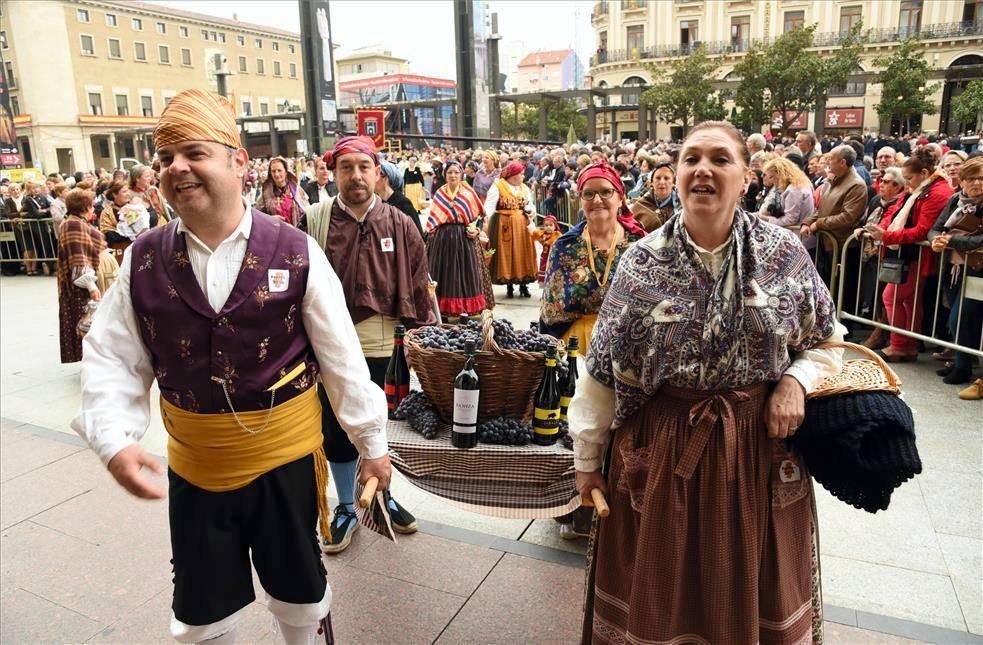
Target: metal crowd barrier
(566, 207)
(971, 291)
(22, 237)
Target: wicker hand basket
(872, 374)
(509, 378)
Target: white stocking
(228, 638)
(298, 635)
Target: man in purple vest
(379, 256)
(236, 315)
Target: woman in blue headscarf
(390, 188)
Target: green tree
(968, 106)
(560, 116)
(790, 77)
(904, 82)
(685, 95)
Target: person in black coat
(323, 183)
(390, 188)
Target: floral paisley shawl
(667, 319)
(570, 290)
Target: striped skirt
(711, 537)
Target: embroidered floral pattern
(181, 259)
(251, 262)
(264, 349)
(262, 294)
(295, 263)
(150, 325)
(303, 382)
(171, 291)
(190, 402)
(228, 373)
(290, 319)
(147, 260)
(184, 349)
(224, 322)
(160, 373)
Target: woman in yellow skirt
(413, 185)
(509, 207)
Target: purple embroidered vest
(251, 344)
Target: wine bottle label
(564, 404)
(572, 353)
(395, 394)
(550, 362)
(465, 410)
(546, 422)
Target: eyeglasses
(605, 194)
(971, 180)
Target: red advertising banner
(395, 79)
(800, 123)
(372, 124)
(844, 118)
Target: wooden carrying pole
(368, 493)
(597, 501)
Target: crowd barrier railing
(21, 238)
(565, 207)
(869, 296)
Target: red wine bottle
(546, 414)
(464, 434)
(397, 384)
(568, 381)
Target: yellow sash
(213, 452)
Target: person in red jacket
(900, 234)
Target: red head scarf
(348, 145)
(514, 168)
(603, 171)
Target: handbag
(893, 270)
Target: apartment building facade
(89, 78)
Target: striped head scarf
(195, 115)
(391, 171)
(348, 145)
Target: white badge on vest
(279, 280)
(386, 244)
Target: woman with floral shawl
(452, 229)
(584, 260)
(282, 197)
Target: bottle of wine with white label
(397, 382)
(568, 381)
(464, 434)
(546, 413)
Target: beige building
(634, 33)
(369, 63)
(544, 71)
(90, 77)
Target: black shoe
(402, 520)
(509, 293)
(945, 371)
(524, 291)
(958, 377)
(343, 526)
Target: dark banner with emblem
(9, 154)
(319, 81)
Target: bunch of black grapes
(565, 439)
(451, 339)
(421, 414)
(527, 340)
(505, 431)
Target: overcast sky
(419, 30)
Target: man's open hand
(125, 467)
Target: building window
(247, 107)
(242, 64)
(276, 68)
(140, 52)
(688, 33)
(241, 41)
(114, 48)
(221, 36)
(82, 15)
(147, 105)
(292, 49)
(850, 16)
(740, 32)
(88, 46)
(275, 45)
(259, 43)
(137, 24)
(3, 40)
(636, 39)
(164, 53)
(167, 99)
(264, 108)
(95, 103)
(910, 18)
(104, 147)
(183, 32)
(15, 105)
(794, 20)
(204, 34)
(161, 28)
(293, 70)
(122, 105)
(186, 57)
(111, 20)
(630, 5)
(973, 11)
(8, 67)
(260, 66)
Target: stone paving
(80, 561)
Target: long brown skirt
(711, 535)
(515, 255)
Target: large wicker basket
(872, 374)
(509, 378)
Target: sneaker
(343, 526)
(402, 520)
(974, 392)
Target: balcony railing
(828, 39)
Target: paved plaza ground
(80, 561)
